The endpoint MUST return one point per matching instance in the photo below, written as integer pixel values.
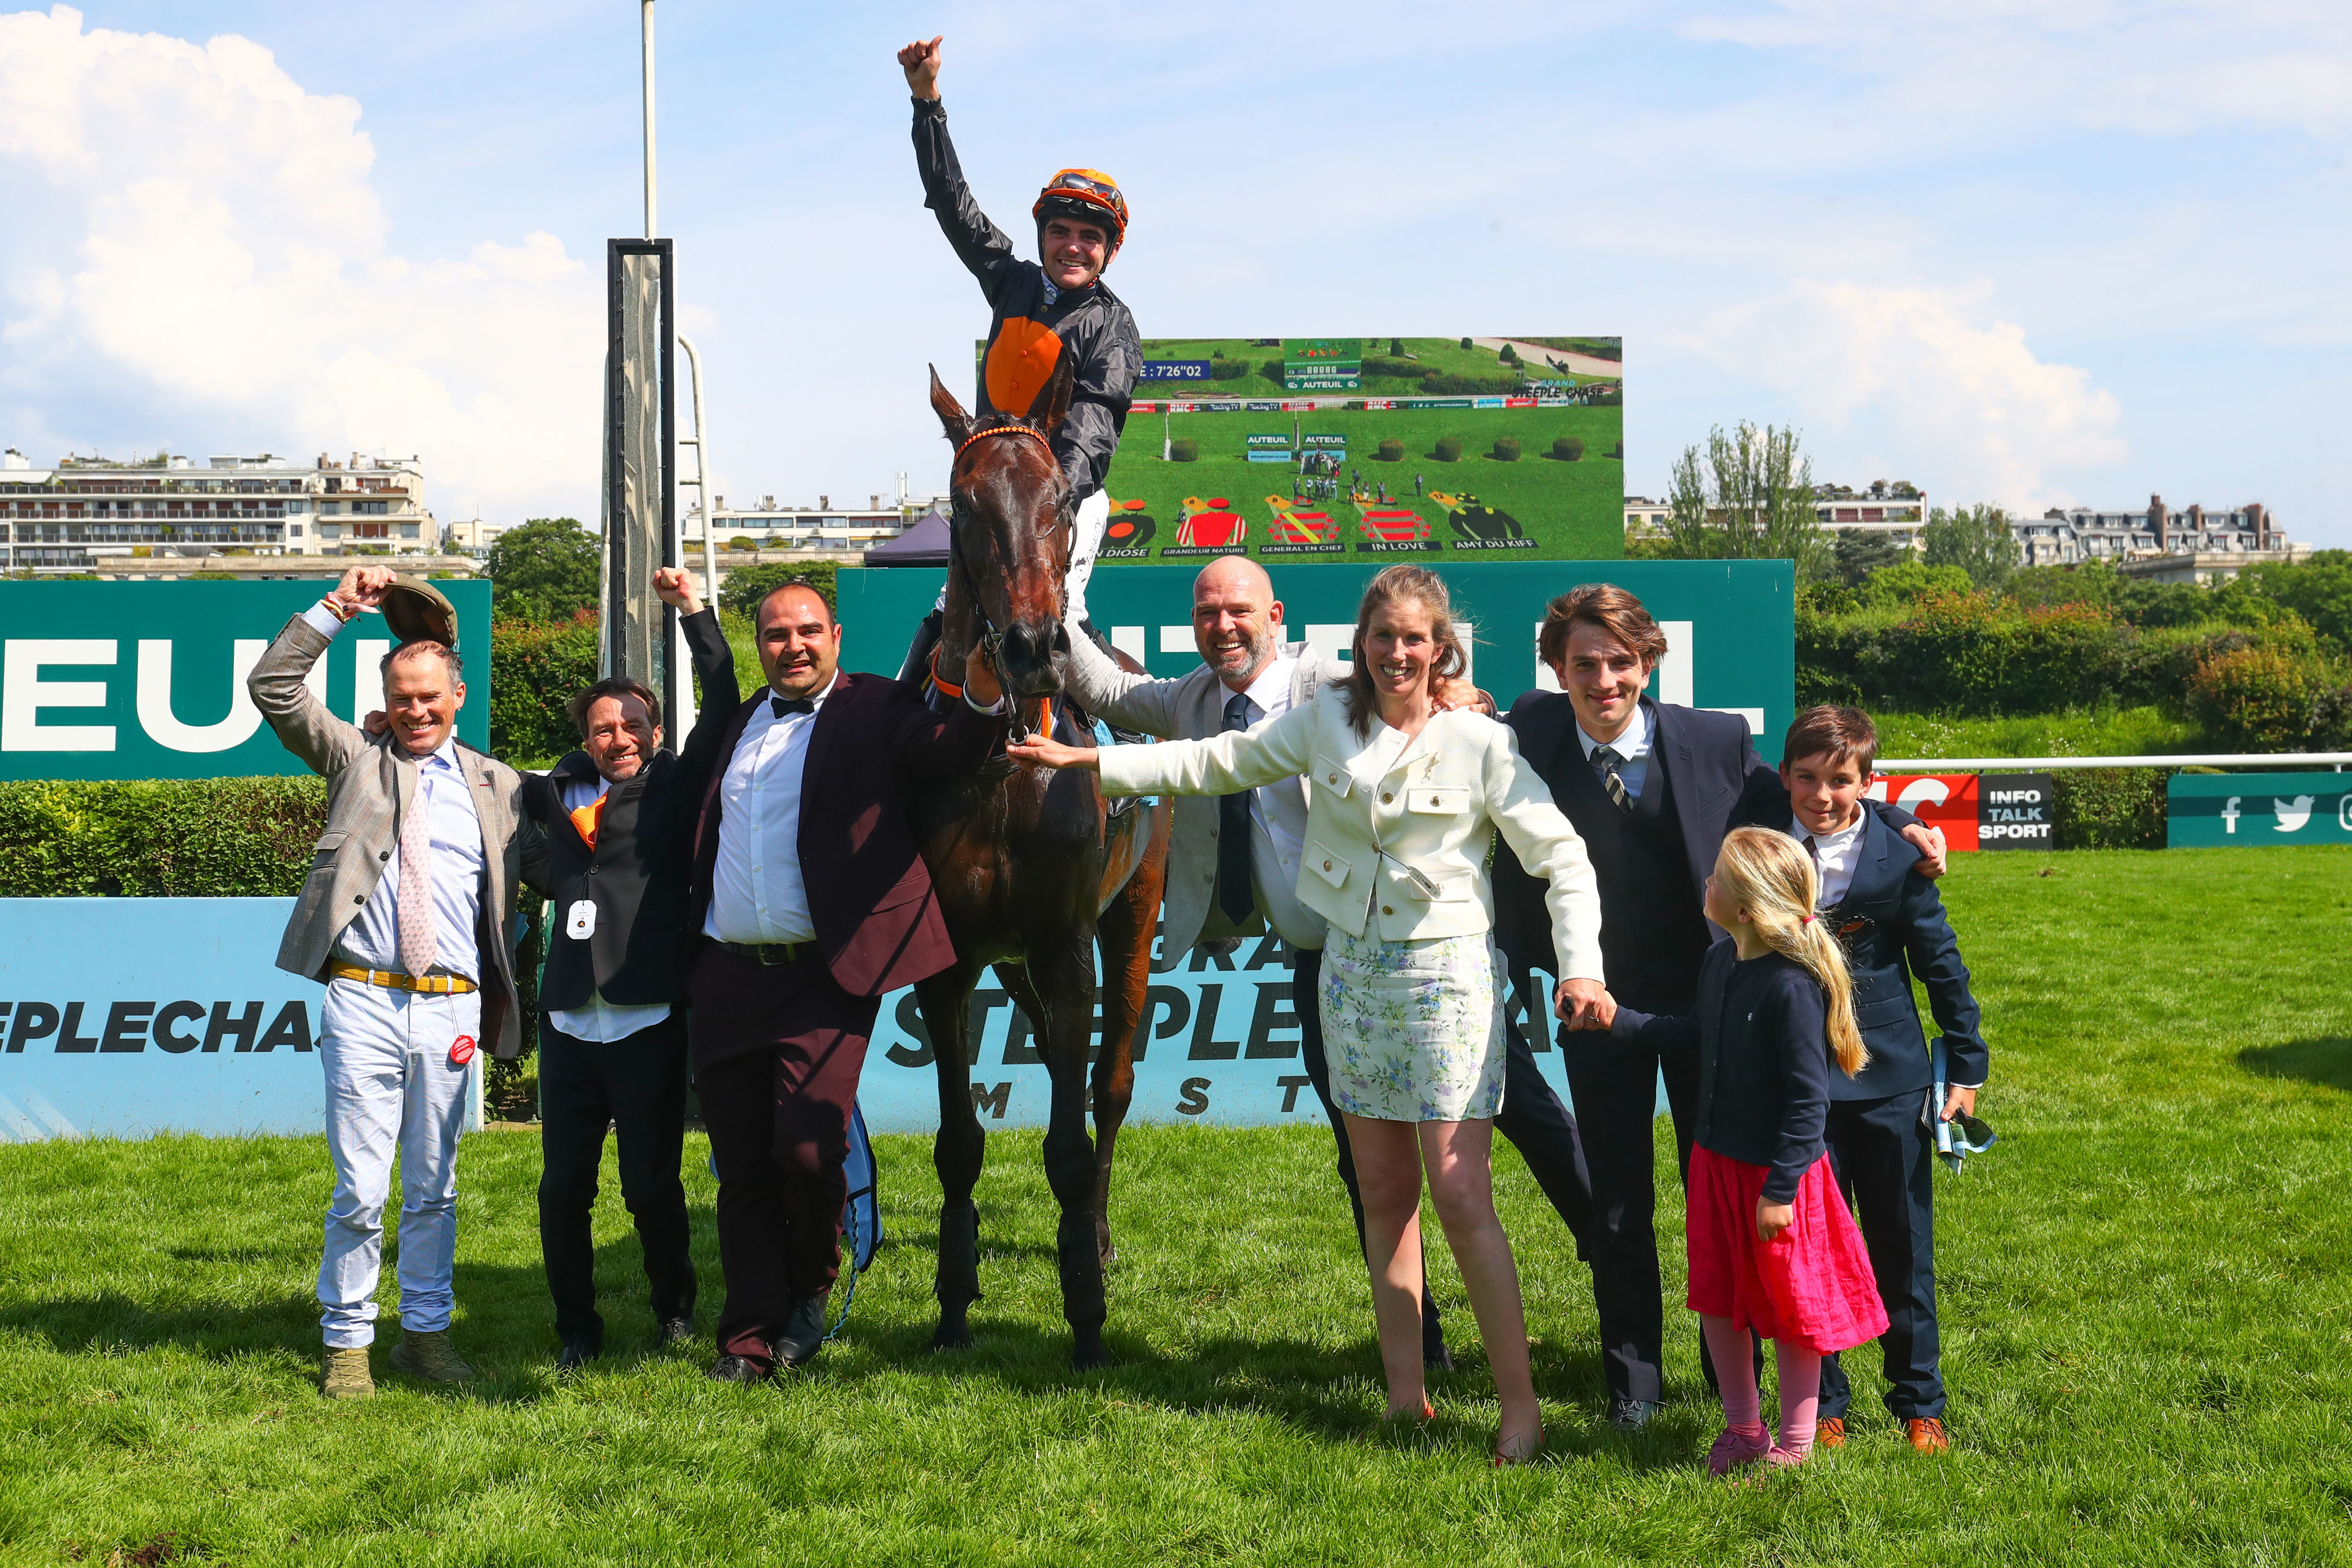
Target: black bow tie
(789, 705)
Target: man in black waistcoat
(1651, 787)
(619, 815)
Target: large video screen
(1348, 450)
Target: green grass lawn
(2112, 732)
(2146, 1299)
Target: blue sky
(2067, 251)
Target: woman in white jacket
(1402, 800)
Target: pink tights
(1734, 1371)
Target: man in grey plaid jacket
(405, 916)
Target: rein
(992, 640)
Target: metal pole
(648, 13)
(702, 470)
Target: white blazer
(1395, 832)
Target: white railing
(2043, 764)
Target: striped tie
(413, 908)
(1604, 763)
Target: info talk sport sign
(1976, 811)
(131, 1017)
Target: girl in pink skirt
(1772, 1248)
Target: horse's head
(1011, 532)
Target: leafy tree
(549, 569)
(1509, 354)
(1396, 348)
(1749, 498)
(746, 586)
(1860, 553)
(1975, 539)
(1908, 582)
(2320, 591)
(1466, 342)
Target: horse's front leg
(956, 1150)
(1124, 932)
(1063, 979)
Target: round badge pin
(462, 1052)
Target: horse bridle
(991, 639)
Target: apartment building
(2240, 536)
(1897, 509)
(88, 510)
(770, 526)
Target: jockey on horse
(1040, 313)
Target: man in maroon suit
(813, 898)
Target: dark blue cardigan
(1763, 1061)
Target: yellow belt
(437, 985)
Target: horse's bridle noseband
(992, 640)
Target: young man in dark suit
(1893, 927)
(619, 816)
(813, 899)
(1653, 787)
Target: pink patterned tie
(417, 948)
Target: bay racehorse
(1031, 872)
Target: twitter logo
(2291, 813)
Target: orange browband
(1003, 430)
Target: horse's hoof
(952, 1337)
(1086, 1353)
(1108, 1254)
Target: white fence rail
(2043, 764)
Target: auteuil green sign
(146, 680)
(2257, 811)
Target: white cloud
(201, 245)
(1968, 407)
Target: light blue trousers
(391, 1087)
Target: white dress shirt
(598, 1019)
(756, 891)
(373, 939)
(1633, 745)
(1278, 824)
(1838, 853)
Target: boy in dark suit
(1893, 927)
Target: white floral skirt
(1413, 1030)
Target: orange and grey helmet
(1088, 195)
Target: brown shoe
(430, 1356)
(345, 1373)
(1830, 1432)
(1927, 1435)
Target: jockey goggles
(1088, 195)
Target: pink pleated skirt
(1811, 1285)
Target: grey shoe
(345, 1375)
(1632, 1414)
(431, 1356)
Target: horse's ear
(1058, 395)
(952, 418)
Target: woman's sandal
(1427, 1413)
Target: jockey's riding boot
(926, 640)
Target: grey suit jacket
(1188, 707)
(367, 788)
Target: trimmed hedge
(1568, 450)
(1183, 451)
(1506, 448)
(187, 838)
(534, 671)
(1391, 450)
(1448, 449)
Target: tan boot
(430, 1356)
(345, 1375)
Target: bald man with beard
(1233, 870)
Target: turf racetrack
(2145, 1301)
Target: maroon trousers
(777, 1054)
